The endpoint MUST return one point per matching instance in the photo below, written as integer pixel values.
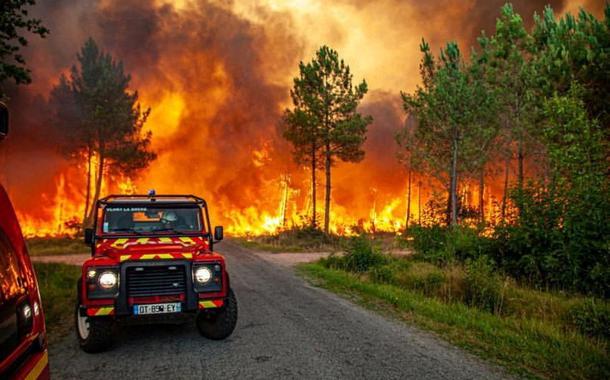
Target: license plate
(157, 308)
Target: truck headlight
(108, 280)
(203, 275)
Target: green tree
(326, 116)
(486, 124)
(575, 49)
(14, 21)
(301, 129)
(576, 153)
(448, 107)
(562, 238)
(102, 118)
(511, 50)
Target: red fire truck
(152, 258)
(23, 340)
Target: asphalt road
(286, 329)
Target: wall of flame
(217, 76)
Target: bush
(422, 277)
(384, 274)
(333, 262)
(465, 243)
(442, 245)
(430, 243)
(591, 317)
(360, 257)
(484, 288)
(388, 273)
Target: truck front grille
(155, 280)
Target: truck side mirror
(218, 233)
(3, 121)
(88, 236)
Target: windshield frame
(100, 214)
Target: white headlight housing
(203, 275)
(108, 280)
(27, 311)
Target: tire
(94, 334)
(219, 325)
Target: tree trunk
(453, 183)
(521, 158)
(313, 186)
(328, 188)
(505, 195)
(482, 196)
(98, 186)
(520, 174)
(419, 202)
(408, 200)
(88, 192)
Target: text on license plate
(157, 308)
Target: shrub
(359, 257)
(384, 274)
(422, 277)
(333, 262)
(442, 245)
(388, 273)
(484, 288)
(430, 243)
(592, 317)
(465, 243)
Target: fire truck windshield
(151, 220)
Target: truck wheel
(94, 334)
(220, 324)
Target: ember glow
(217, 76)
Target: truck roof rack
(141, 198)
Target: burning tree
(101, 119)
(324, 123)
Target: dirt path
(286, 329)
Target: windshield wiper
(129, 229)
(170, 229)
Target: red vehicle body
(23, 339)
(140, 268)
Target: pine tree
(103, 119)
(325, 119)
(14, 19)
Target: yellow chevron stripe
(165, 240)
(39, 367)
(207, 304)
(187, 255)
(119, 242)
(148, 256)
(124, 257)
(165, 256)
(105, 310)
(142, 240)
(187, 240)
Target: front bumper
(122, 305)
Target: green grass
(56, 246)
(57, 283)
(306, 239)
(261, 244)
(524, 345)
